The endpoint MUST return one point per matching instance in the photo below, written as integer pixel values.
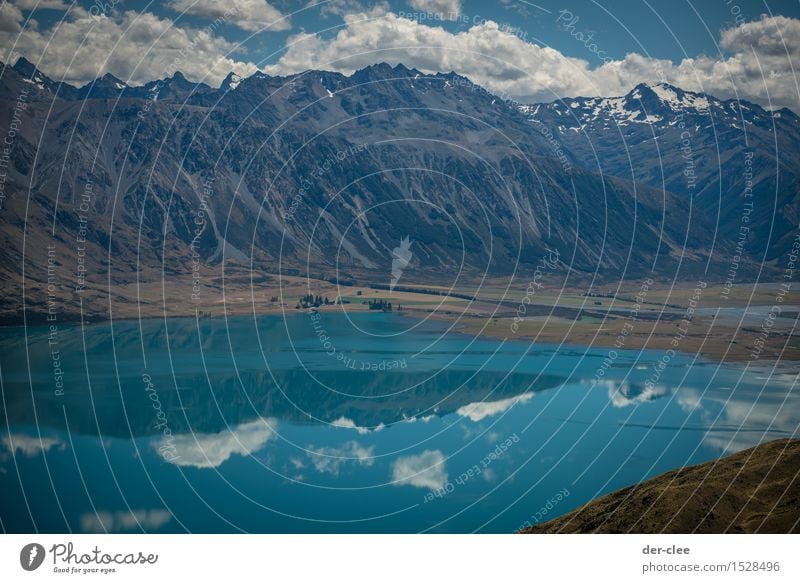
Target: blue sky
(526, 50)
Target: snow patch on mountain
(659, 105)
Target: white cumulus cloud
(482, 409)
(443, 9)
(757, 59)
(624, 394)
(124, 520)
(328, 460)
(136, 47)
(10, 19)
(29, 445)
(41, 4)
(426, 470)
(346, 423)
(211, 450)
(250, 15)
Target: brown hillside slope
(754, 491)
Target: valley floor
(745, 323)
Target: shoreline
(653, 335)
(713, 345)
(746, 327)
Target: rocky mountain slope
(732, 161)
(325, 174)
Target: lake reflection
(376, 423)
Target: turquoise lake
(371, 422)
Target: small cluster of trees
(378, 304)
(312, 301)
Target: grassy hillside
(753, 491)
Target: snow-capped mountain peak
(231, 82)
(676, 98)
(658, 104)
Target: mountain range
(718, 155)
(325, 173)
